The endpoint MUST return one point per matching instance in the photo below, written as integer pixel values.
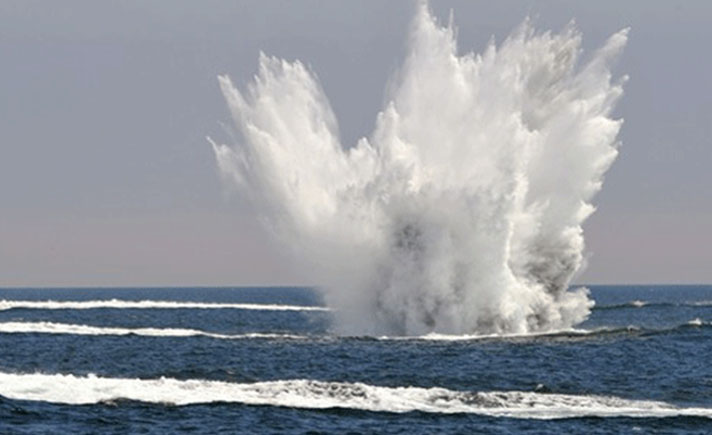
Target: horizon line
(303, 286)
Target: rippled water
(211, 360)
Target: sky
(106, 178)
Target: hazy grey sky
(106, 177)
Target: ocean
(265, 360)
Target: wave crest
(311, 394)
(73, 329)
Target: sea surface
(263, 360)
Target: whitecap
(697, 322)
(7, 304)
(312, 394)
(73, 329)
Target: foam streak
(309, 394)
(6, 304)
(66, 328)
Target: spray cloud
(462, 211)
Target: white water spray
(462, 212)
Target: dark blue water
(644, 343)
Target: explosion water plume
(462, 211)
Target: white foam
(66, 328)
(638, 303)
(309, 394)
(433, 336)
(698, 322)
(75, 329)
(6, 304)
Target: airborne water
(461, 213)
(445, 243)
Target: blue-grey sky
(106, 177)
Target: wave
(6, 304)
(698, 322)
(632, 330)
(567, 333)
(434, 336)
(66, 328)
(695, 323)
(637, 303)
(310, 394)
(77, 329)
